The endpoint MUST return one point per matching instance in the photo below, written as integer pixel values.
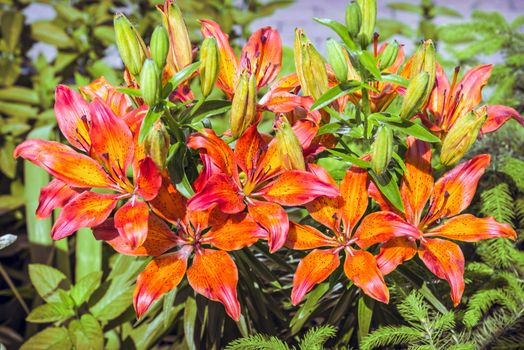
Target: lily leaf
(340, 29)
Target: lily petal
(88, 209)
(131, 222)
(228, 62)
(497, 116)
(313, 269)
(297, 188)
(72, 116)
(304, 237)
(249, 148)
(445, 260)
(454, 191)
(111, 138)
(353, 190)
(64, 163)
(204, 219)
(159, 277)
(215, 276)
(158, 241)
(382, 226)
(361, 268)
(273, 218)
(220, 190)
(169, 204)
(55, 195)
(394, 252)
(239, 231)
(440, 93)
(417, 182)
(468, 228)
(262, 55)
(216, 148)
(148, 179)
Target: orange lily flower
(341, 216)
(252, 176)
(207, 236)
(119, 102)
(106, 148)
(447, 197)
(262, 56)
(450, 102)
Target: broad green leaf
(50, 312)
(83, 289)
(7, 240)
(328, 129)
(341, 30)
(308, 307)
(368, 61)
(115, 301)
(365, 314)
(50, 33)
(147, 124)
(53, 338)
(169, 299)
(395, 79)
(388, 186)
(86, 334)
(190, 313)
(45, 279)
(351, 159)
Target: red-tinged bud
(180, 54)
(130, 44)
(462, 135)
(243, 106)
(310, 66)
(289, 146)
(388, 55)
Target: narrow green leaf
(83, 289)
(190, 313)
(50, 312)
(88, 253)
(169, 299)
(341, 31)
(183, 75)
(52, 338)
(388, 185)
(351, 159)
(130, 91)
(395, 79)
(365, 314)
(307, 308)
(368, 61)
(335, 92)
(414, 129)
(147, 124)
(45, 279)
(330, 128)
(210, 109)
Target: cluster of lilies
(106, 180)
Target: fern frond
(479, 304)
(443, 323)
(391, 335)
(316, 337)
(498, 202)
(514, 168)
(498, 327)
(413, 309)
(258, 342)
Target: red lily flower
(341, 216)
(107, 149)
(262, 56)
(448, 197)
(208, 234)
(448, 103)
(262, 185)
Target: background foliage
(40, 276)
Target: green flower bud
(337, 59)
(243, 106)
(462, 135)
(208, 65)
(369, 18)
(173, 20)
(130, 44)
(414, 98)
(353, 19)
(381, 150)
(150, 82)
(310, 66)
(159, 46)
(289, 146)
(425, 60)
(389, 55)
(156, 144)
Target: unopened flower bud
(150, 82)
(353, 19)
(462, 135)
(381, 150)
(159, 46)
(414, 98)
(289, 146)
(243, 106)
(156, 144)
(369, 18)
(310, 66)
(425, 60)
(180, 44)
(130, 44)
(208, 65)
(337, 59)
(388, 55)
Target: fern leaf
(413, 309)
(479, 304)
(391, 335)
(316, 337)
(498, 202)
(257, 342)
